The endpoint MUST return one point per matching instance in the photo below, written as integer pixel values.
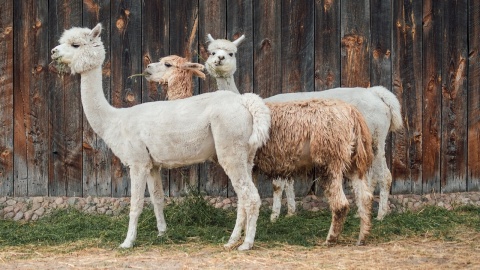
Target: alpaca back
(326, 133)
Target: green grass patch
(194, 220)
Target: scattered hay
(59, 67)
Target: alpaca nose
(149, 66)
(54, 50)
(221, 57)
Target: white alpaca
(345, 149)
(169, 134)
(379, 107)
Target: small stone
(218, 205)
(18, 216)
(441, 204)
(96, 200)
(9, 215)
(39, 212)
(89, 199)
(3, 199)
(8, 209)
(101, 210)
(1, 213)
(109, 213)
(226, 201)
(11, 202)
(28, 215)
(315, 209)
(306, 206)
(37, 200)
(226, 207)
(34, 217)
(59, 200)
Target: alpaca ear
(238, 40)
(96, 31)
(195, 68)
(210, 38)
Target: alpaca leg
(138, 175)
(278, 186)
(239, 224)
(338, 205)
(252, 210)
(385, 185)
(363, 200)
(157, 197)
(290, 193)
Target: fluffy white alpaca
(379, 107)
(329, 134)
(171, 134)
(175, 74)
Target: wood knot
(7, 30)
(266, 44)
(5, 153)
(352, 40)
(120, 24)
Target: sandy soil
(403, 254)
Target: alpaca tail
(363, 153)
(261, 119)
(391, 101)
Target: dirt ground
(421, 253)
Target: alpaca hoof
(361, 243)
(245, 246)
(290, 214)
(273, 218)
(161, 233)
(229, 246)
(126, 245)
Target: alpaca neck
(227, 83)
(180, 86)
(95, 105)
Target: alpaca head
(80, 49)
(172, 68)
(221, 61)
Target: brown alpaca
(174, 73)
(330, 135)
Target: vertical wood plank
(267, 62)
(240, 22)
(407, 85)
(31, 99)
(454, 93)
(66, 110)
(298, 59)
(473, 170)
(432, 97)
(6, 98)
(380, 53)
(126, 46)
(155, 42)
(212, 20)
(97, 179)
(297, 46)
(182, 29)
(355, 34)
(327, 44)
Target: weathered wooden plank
(327, 44)
(380, 52)
(212, 19)
(6, 98)
(297, 46)
(432, 97)
(355, 34)
(454, 93)
(298, 60)
(65, 174)
(183, 27)
(30, 99)
(407, 85)
(155, 36)
(126, 46)
(473, 170)
(97, 179)
(267, 61)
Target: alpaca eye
(75, 45)
(213, 53)
(168, 65)
(231, 54)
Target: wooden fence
(426, 52)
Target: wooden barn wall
(425, 51)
